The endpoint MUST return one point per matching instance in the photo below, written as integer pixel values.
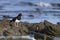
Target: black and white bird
(16, 20)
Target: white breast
(33, 39)
(17, 20)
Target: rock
(24, 27)
(58, 23)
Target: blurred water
(25, 37)
(13, 7)
(57, 38)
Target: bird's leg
(17, 24)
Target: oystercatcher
(16, 20)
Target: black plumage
(18, 18)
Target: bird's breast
(17, 20)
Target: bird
(16, 20)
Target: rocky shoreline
(25, 28)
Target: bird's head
(20, 14)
